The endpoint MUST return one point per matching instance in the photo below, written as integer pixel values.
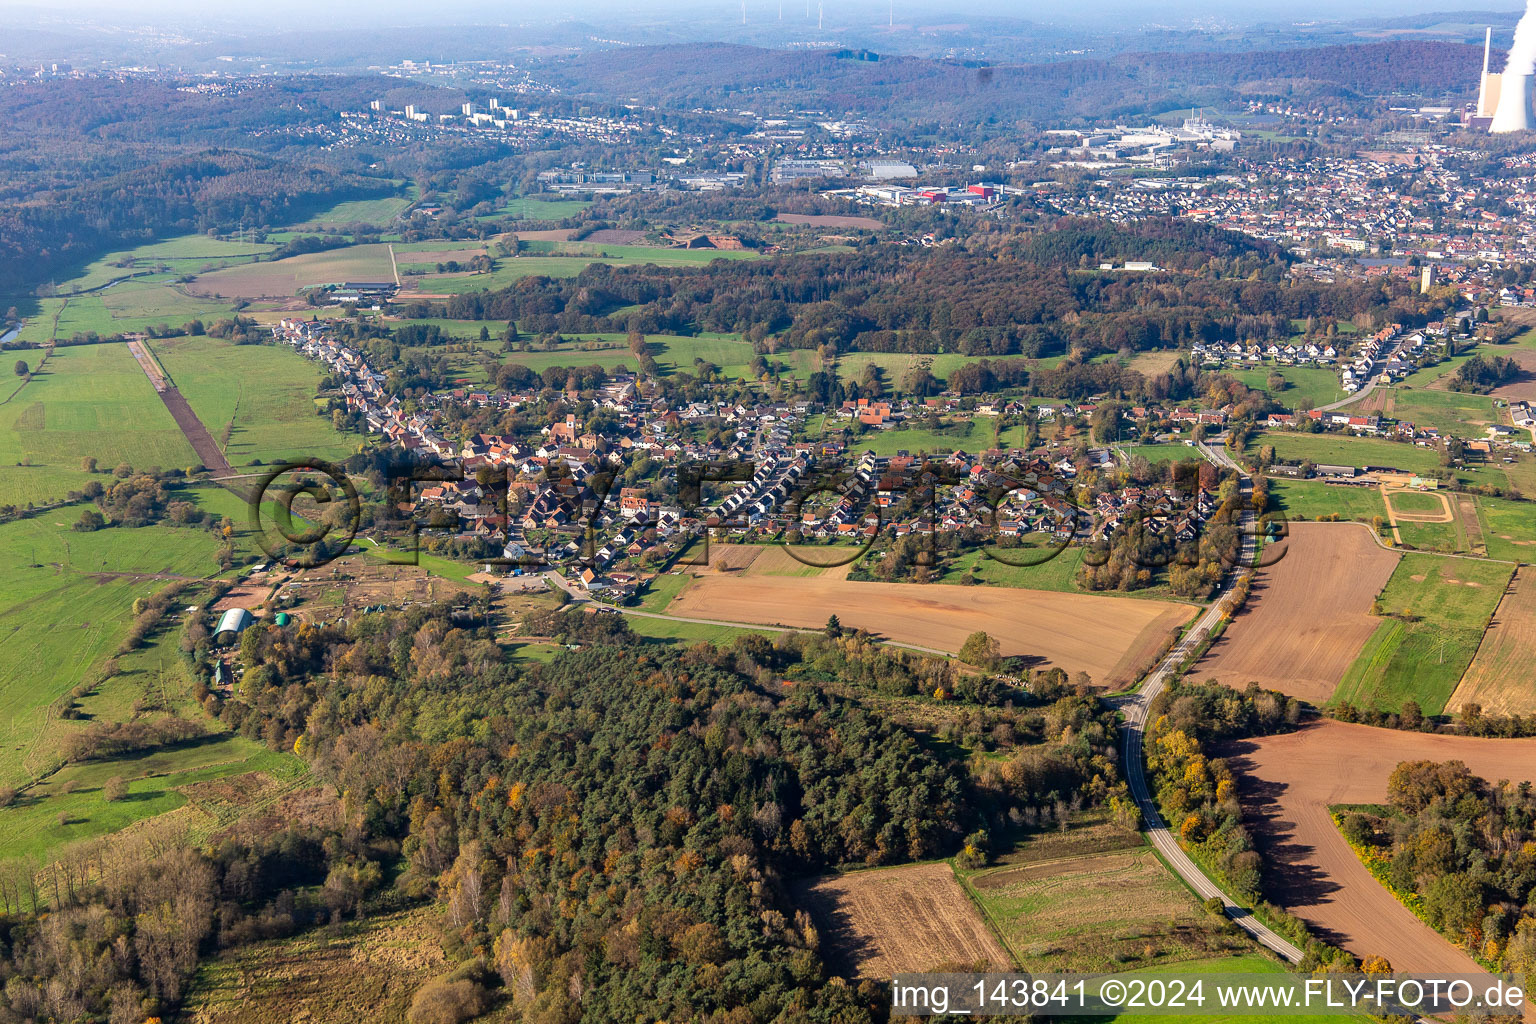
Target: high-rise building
(1427, 278)
(468, 109)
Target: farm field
(1500, 678)
(1111, 639)
(324, 975)
(67, 603)
(889, 920)
(1437, 610)
(1305, 621)
(1313, 499)
(817, 220)
(1508, 528)
(1287, 784)
(1101, 911)
(285, 278)
(258, 401)
(86, 400)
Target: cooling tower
(1488, 96)
(1513, 114)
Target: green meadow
(258, 401)
(85, 400)
(66, 605)
(1435, 610)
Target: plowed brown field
(1287, 785)
(897, 920)
(1111, 638)
(1500, 677)
(1307, 616)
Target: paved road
(1136, 710)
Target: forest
(999, 293)
(595, 858)
(920, 94)
(1458, 849)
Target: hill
(712, 74)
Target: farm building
(231, 624)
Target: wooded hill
(918, 90)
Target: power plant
(1506, 98)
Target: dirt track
(1307, 616)
(197, 435)
(1287, 784)
(1110, 638)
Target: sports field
(1435, 612)
(1112, 639)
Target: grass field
(1509, 528)
(324, 975)
(1313, 499)
(69, 805)
(86, 400)
(1442, 537)
(1339, 450)
(66, 605)
(539, 208)
(1155, 453)
(1417, 501)
(1093, 899)
(258, 401)
(567, 259)
(379, 213)
(1438, 609)
(1318, 385)
(1449, 412)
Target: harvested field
(545, 235)
(774, 560)
(1307, 615)
(323, 975)
(1111, 638)
(615, 236)
(1500, 677)
(1287, 785)
(283, 278)
(437, 255)
(820, 220)
(917, 918)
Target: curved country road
(1136, 710)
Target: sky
(380, 13)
